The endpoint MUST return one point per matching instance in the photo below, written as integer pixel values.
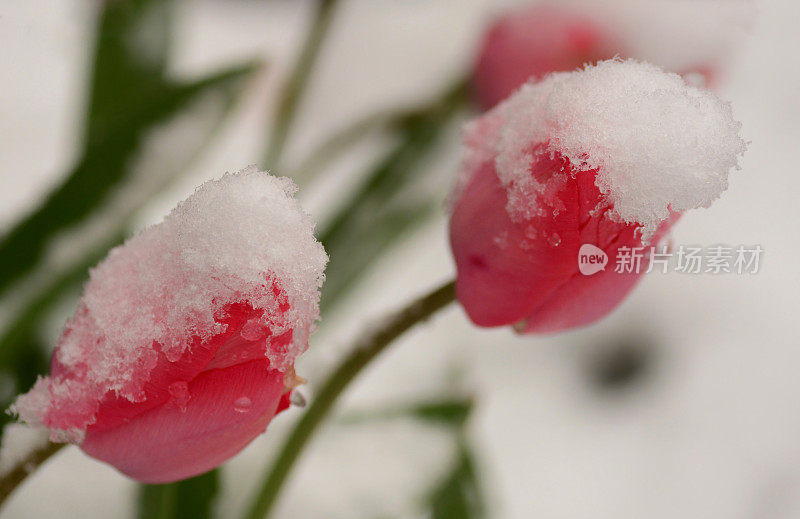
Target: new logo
(591, 259)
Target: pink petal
(225, 410)
(532, 42)
(525, 272)
(535, 40)
(223, 350)
(501, 269)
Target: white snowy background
(711, 427)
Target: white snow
(659, 144)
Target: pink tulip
(182, 348)
(525, 273)
(535, 40)
(531, 42)
(609, 156)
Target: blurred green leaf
(459, 495)
(115, 140)
(130, 97)
(352, 254)
(343, 139)
(451, 412)
(17, 337)
(292, 93)
(386, 205)
(130, 100)
(131, 54)
(23, 356)
(188, 499)
(31, 360)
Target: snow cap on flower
(609, 155)
(657, 143)
(228, 281)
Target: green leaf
(80, 195)
(292, 93)
(342, 140)
(450, 412)
(30, 361)
(127, 83)
(130, 98)
(124, 153)
(353, 253)
(188, 499)
(17, 338)
(132, 51)
(459, 495)
(386, 204)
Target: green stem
(390, 199)
(12, 479)
(294, 89)
(341, 141)
(420, 130)
(367, 348)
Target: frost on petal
(657, 144)
(240, 239)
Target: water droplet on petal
(242, 404)
(501, 240)
(297, 399)
(253, 330)
(179, 391)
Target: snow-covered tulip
(533, 41)
(182, 348)
(607, 158)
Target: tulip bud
(531, 42)
(534, 40)
(183, 344)
(606, 156)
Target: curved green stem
(367, 348)
(12, 479)
(294, 89)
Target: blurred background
(683, 403)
